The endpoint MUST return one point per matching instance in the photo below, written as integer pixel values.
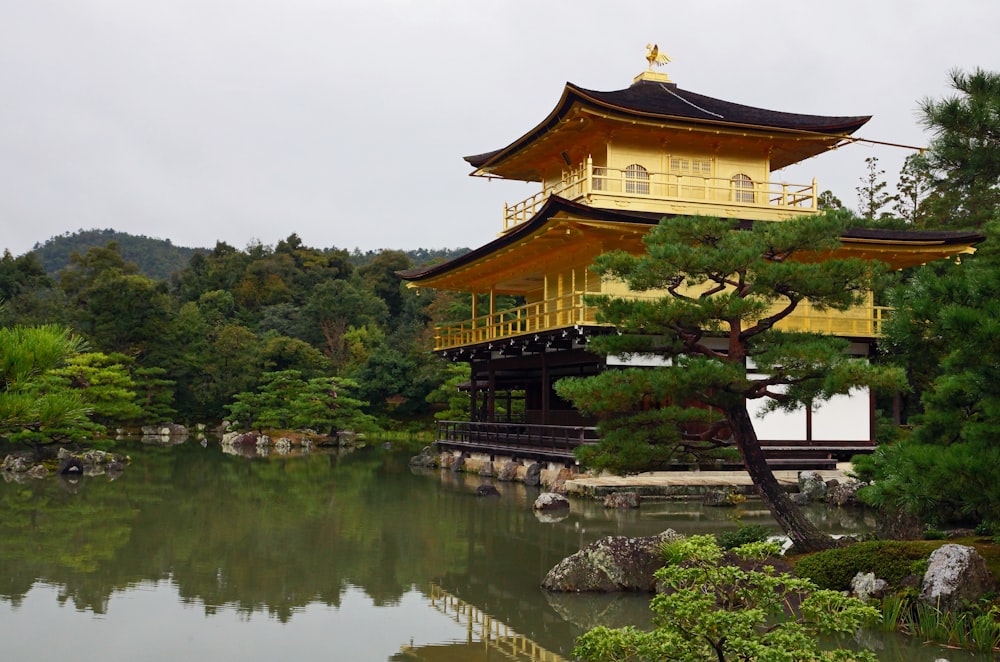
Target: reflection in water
(484, 634)
(260, 557)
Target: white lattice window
(743, 189)
(682, 166)
(598, 178)
(636, 179)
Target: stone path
(686, 483)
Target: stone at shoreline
(813, 485)
(533, 475)
(956, 575)
(508, 472)
(457, 465)
(16, 464)
(550, 501)
(165, 430)
(866, 586)
(38, 471)
(845, 495)
(614, 563)
(70, 465)
(486, 471)
(722, 499)
(428, 458)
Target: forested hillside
(160, 258)
(156, 258)
(282, 336)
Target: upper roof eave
(667, 102)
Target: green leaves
(717, 609)
(285, 400)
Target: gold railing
(555, 313)
(571, 310)
(502, 641)
(590, 180)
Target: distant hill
(156, 258)
(159, 258)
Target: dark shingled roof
(666, 101)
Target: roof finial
(654, 56)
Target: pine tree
(715, 295)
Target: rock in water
(550, 501)
(487, 490)
(614, 563)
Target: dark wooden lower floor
(558, 443)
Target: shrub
(746, 533)
(888, 559)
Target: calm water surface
(193, 554)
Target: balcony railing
(588, 181)
(571, 310)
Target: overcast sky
(247, 120)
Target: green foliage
(105, 383)
(450, 403)
(745, 534)
(888, 559)
(192, 343)
(719, 282)
(285, 400)
(976, 629)
(715, 611)
(30, 409)
(965, 151)
(873, 195)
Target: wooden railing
(590, 180)
(556, 442)
(571, 310)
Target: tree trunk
(803, 533)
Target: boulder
(16, 464)
(845, 495)
(956, 575)
(427, 458)
(799, 498)
(37, 471)
(614, 563)
(622, 500)
(457, 464)
(508, 471)
(813, 485)
(550, 501)
(865, 586)
(69, 466)
(486, 470)
(533, 475)
(722, 499)
(487, 490)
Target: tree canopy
(715, 295)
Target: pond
(194, 554)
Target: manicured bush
(888, 559)
(747, 533)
